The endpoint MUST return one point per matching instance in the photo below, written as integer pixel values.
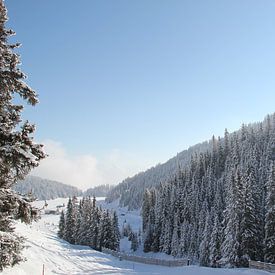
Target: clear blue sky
(146, 77)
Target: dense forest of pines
(86, 224)
(220, 209)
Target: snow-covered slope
(44, 189)
(59, 257)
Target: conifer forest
(86, 224)
(220, 209)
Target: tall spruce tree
(18, 153)
(250, 223)
(94, 229)
(115, 230)
(61, 225)
(85, 222)
(215, 244)
(105, 232)
(204, 245)
(270, 218)
(71, 221)
(231, 247)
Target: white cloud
(86, 171)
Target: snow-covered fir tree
(175, 237)
(115, 230)
(270, 217)
(148, 215)
(204, 247)
(18, 153)
(215, 243)
(106, 234)
(134, 241)
(85, 220)
(61, 225)
(219, 209)
(94, 227)
(71, 221)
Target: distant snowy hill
(44, 189)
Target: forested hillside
(219, 210)
(44, 189)
(99, 191)
(131, 190)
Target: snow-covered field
(59, 257)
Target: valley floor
(59, 257)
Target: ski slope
(59, 257)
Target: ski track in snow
(43, 247)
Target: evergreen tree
(215, 244)
(18, 153)
(61, 226)
(68, 232)
(270, 218)
(250, 223)
(116, 234)
(71, 221)
(134, 241)
(167, 238)
(204, 245)
(175, 237)
(231, 246)
(145, 209)
(184, 239)
(148, 238)
(148, 218)
(85, 222)
(94, 228)
(76, 235)
(105, 233)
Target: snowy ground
(59, 257)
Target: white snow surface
(60, 257)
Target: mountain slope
(44, 189)
(99, 191)
(131, 190)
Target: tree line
(220, 209)
(84, 223)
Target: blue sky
(138, 81)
